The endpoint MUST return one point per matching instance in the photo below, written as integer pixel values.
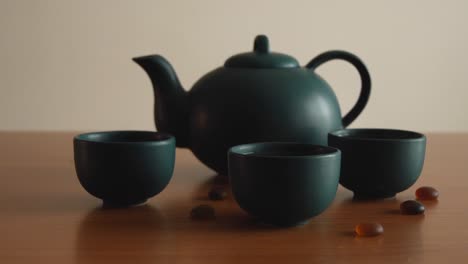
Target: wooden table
(46, 217)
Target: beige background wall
(66, 65)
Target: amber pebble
(412, 207)
(202, 212)
(369, 229)
(217, 193)
(427, 193)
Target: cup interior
(279, 149)
(377, 134)
(124, 136)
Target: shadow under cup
(379, 163)
(284, 184)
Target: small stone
(427, 193)
(412, 207)
(217, 194)
(369, 229)
(203, 212)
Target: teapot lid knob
(261, 57)
(261, 44)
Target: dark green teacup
(284, 184)
(124, 167)
(379, 163)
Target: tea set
(273, 127)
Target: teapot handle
(365, 79)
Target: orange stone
(369, 229)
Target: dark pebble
(217, 194)
(412, 207)
(202, 212)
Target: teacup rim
(416, 136)
(166, 137)
(234, 150)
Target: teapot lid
(261, 57)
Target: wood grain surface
(46, 216)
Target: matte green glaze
(255, 97)
(284, 184)
(378, 163)
(124, 167)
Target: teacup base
(373, 196)
(120, 204)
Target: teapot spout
(171, 100)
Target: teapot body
(232, 106)
(256, 96)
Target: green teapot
(256, 96)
